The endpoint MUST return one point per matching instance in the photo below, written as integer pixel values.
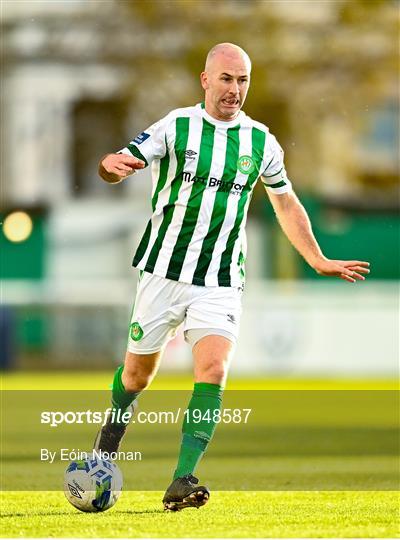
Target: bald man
(206, 160)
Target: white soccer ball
(92, 484)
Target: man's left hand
(347, 270)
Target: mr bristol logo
(245, 164)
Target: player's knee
(213, 372)
(217, 376)
(139, 371)
(135, 382)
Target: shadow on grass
(43, 514)
(31, 515)
(134, 512)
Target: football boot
(183, 493)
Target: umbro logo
(74, 491)
(190, 154)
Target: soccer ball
(92, 484)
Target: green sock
(120, 398)
(206, 399)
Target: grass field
(305, 512)
(228, 514)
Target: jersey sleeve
(274, 176)
(148, 145)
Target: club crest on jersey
(245, 164)
(136, 331)
(141, 138)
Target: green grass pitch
(236, 514)
(228, 514)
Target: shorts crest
(136, 331)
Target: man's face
(226, 83)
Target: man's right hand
(113, 168)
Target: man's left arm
(296, 224)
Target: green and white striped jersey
(204, 172)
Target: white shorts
(161, 305)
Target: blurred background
(81, 78)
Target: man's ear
(204, 80)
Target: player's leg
(211, 327)
(129, 381)
(157, 313)
(211, 355)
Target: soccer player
(206, 160)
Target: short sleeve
(274, 176)
(150, 144)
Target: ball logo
(136, 331)
(245, 164)
(74, 491)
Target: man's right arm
(113, 168)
